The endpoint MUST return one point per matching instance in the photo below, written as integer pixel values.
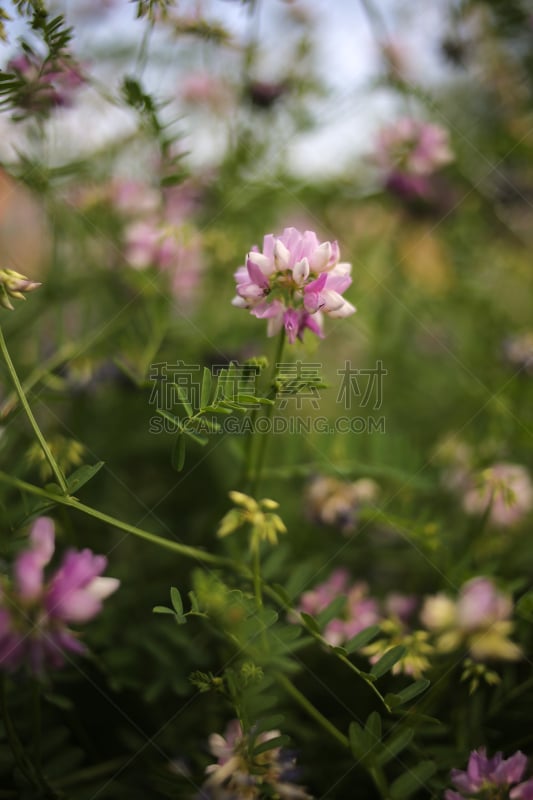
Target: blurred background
(142, 156)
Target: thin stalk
(379, 779)
(256, 570)
(313, 712)
(176, 547)
(24, 403)
(287, 607)
(64, 353)
(263, 441)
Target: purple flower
(483, 773)
(173, 249)
(507, 489)
(409, 152)
(35, 613)
(360, 610)
(238, 773)
(413, 147)
(293, 282)
(479, 618)
(524, 791)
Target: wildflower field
(266, 392)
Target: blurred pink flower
(35, 614)
(293, 282)
(414, 147)
(507, 489)
(202, 89)
(484, 774)
(175, 250)
(360, 610)
(238, 773)
(480, 618)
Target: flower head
(359, 612)
(239, 773)
(14, 285)
(490, 776)
(505, 491)
(413, 147)
(335, 502)
(264, 524)
(480, 618)
(293, 282)
(409, 152)
(35, 612)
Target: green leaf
(282, 592)
(269, 723)
(331, 611)
(196, 437)
(162, 610)
(83, 475)
(388, 660)
(271, 744)
(311, 623)
(373, 727)
(359, 743)
(183, 400)
(412, 781)
(177, 602)
(211, 425)
(178, 453)
(412, 691)
(362, 638)
(171, 418)
(395, 745)
(217, 409)
(195, 607)
(339, 651)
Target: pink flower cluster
(360, 611)
(162, 236)
(495, 777)
(409, 152)
(35, 613)
(293, 282)
(505, 490)
(480, 618)
(48, 85)
(238, 775)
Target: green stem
(313, 712)
(379, 779)
(256, 569)
(368, 682)
(176, 547)
(345, 660)
(24, 402)
(263, 440)
(65, 352)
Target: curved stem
(72, 502)
(313, 712)
(24, 402)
